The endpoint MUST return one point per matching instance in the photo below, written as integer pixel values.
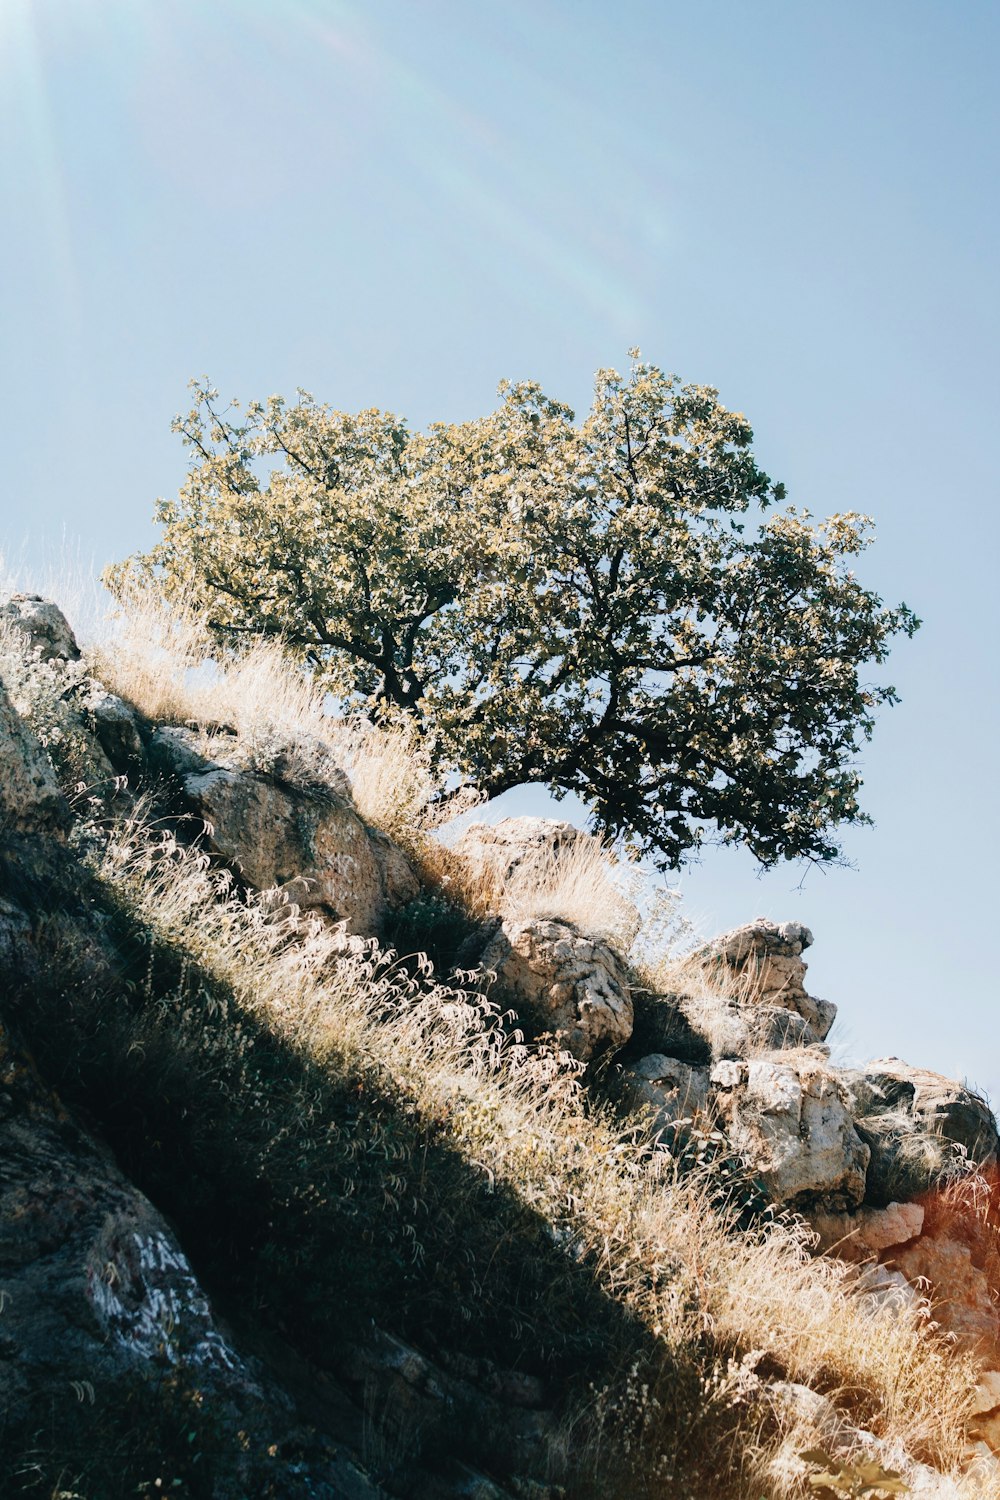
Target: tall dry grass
(656, 1244)
(165, 661)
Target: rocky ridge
(95, 1278)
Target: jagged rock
(99, 1303)
(115, 725)
(771, 1028)
(568, 984)
(764, 959)
(922, 1127)
(44, 624)
(674, 1090)
(515, 845)
(958, 1290)
(286, 829)
(792, 1123)
(314, 849)
(30, 798)
(866, 1234)
(92, 1278)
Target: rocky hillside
(338, 1160)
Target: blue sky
(397, 204)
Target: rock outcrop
(864, 1235)
(763, 961)
(43, 624)
(958, 1291)
(569, 985)
(673, 1093)
(92, 1277)
(30, 796)
(792, 1123)
(921, 1127)
(286, 828)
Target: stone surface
(792, 1124)
(44, 624)
(764, 959)
(987, 1394)
(921, 1127)
(866, 1234)
(958, 1291)
(30, 798)
(400, 882)
(567, 984)
(115, 725)
(287, 829)
(674, 1090)
(99, 1304)
(314, 849)
(92, 1280)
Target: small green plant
(431, 925)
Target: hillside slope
(291, 1209)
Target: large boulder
(959, 1292)
(92, 1281)
(105, 1327)
(792, 1124)
(565, 983)
(762, 962)
(30, 798)
(866, 1234)
(922, 1128)
(288, 824)
(43, 624)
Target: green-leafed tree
(604, 607)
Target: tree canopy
(609, 608)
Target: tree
(606, 608)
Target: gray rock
(568, 984)
(315, 850)
(44, 624)
(173, 751)
(922, 1128)
(290, 827)
(116, 726)
(792, 1124)
(93, 1281)
(675, 1091)
(400, 882)
(763, 960)
(30, 798)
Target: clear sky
(399, 202)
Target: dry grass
(700, 1299)
(580, 884)
(166, 663)
(656, 1244)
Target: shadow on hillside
(314, 1202)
